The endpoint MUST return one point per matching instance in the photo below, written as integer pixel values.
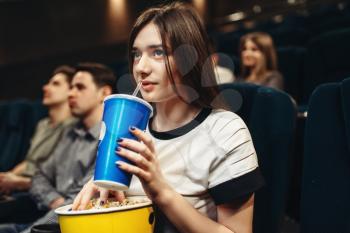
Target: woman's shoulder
(224, 121)
(274, 74)
(275, 79)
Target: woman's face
(149, 66)
(251, 55)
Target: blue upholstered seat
(270, 116)
(325, 196)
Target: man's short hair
(102, 74)
(68, 71)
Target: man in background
(71, 164)
(47, 133)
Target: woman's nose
(143, 65)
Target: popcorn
(96, 203)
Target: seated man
(71, 164)
(47, 133)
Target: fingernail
(119, 140)
(118, 163)
(102, 202)
(70, 209)
(118, 149)
(132, 128)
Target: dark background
(38, 35)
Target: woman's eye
(136, 54)
(158, 53)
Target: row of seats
(292, 30)
(325, 191)
(271, 117)
(17, 123)
(303, 68)
(312, 46)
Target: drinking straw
(137, 89)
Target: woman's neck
(173, 114)
(256, 76)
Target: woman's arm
(237, 215)
(234, 217)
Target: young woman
(196, 163)
(258, 60)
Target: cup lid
(130, 97)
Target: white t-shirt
(209, 161)
(223, 75)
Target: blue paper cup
(120, 113)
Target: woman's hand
(89, 191)
(146, 166)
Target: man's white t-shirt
(209, 161)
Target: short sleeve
(235, 173)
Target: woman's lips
(147, 86)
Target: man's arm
(43, 183)
(19, 169)
(75, 189)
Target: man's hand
(10, 182)
(56, 203)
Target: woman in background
(259, 60)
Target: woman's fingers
(137, 147)
(145, 138)
(119, 196)
(133, 157)
(85, 199)
(134, 170)
(77, 199)
(90, 190)
(104, 193)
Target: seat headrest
(16, 113)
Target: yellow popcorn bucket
(135, 218)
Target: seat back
(326, 60)
(291, 65)
(3, 110)
(325, 201)
(19, 121)
(270, 116)
(239, 98)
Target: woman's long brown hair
(264, 43)
(182, 32)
